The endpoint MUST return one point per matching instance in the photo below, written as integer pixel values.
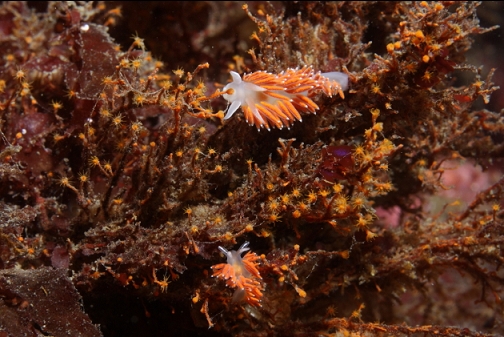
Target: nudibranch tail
(269, 100)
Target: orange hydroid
(277, 100)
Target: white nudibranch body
(276, 100)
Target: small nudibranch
(241, 273)
(276, 100)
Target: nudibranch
(241, 273)
(276, 100)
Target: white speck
(23, 131)
(84, 27)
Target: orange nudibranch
(241, 273)
(277, 100)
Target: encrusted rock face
(122, 176)
(32, 303)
